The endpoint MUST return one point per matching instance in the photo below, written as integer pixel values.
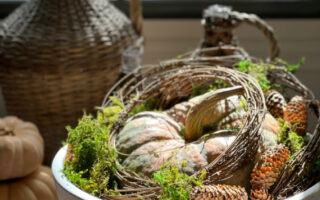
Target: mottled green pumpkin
(150, 139)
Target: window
(194, 8)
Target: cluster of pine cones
(263, 177)
(295, 112)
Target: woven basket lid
(64, 35)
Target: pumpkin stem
(196, 115)
(4, 132)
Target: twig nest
(212, 192)
(276, 103)
(296, 113)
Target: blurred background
(172, 27)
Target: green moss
(76, 177)
(179, 57)
(176, 185)
(289, 67)
(93, 165)
(258, 71)
(83, 140)
(110, 115)
(290, 138)
(207, 87)
(200, 89)
(149, 105)
(243, 105)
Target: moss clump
(148, 105)
(110, 115)
(93, 161)
(207, 87)
(258, 71)
(176, 185)
(289, 67)
(290, 138)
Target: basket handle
(222, 19)
(267, 30)
(136, 15)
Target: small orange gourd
(37, 186)
(21, 148)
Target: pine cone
(275, 103)
(297, 112)
(208, 192)
(260, 194)
(271, 164)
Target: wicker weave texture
(59, 57)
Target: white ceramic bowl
(67, 191)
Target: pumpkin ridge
(4, 132)
(151, 155)
(21, 195)
(11, 161)
(46, 177)
(21, 153)
(43, 185)
(136, 133)
(169, 120)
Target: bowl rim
(60, 179)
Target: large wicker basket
(59, 57)
(172, 80)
